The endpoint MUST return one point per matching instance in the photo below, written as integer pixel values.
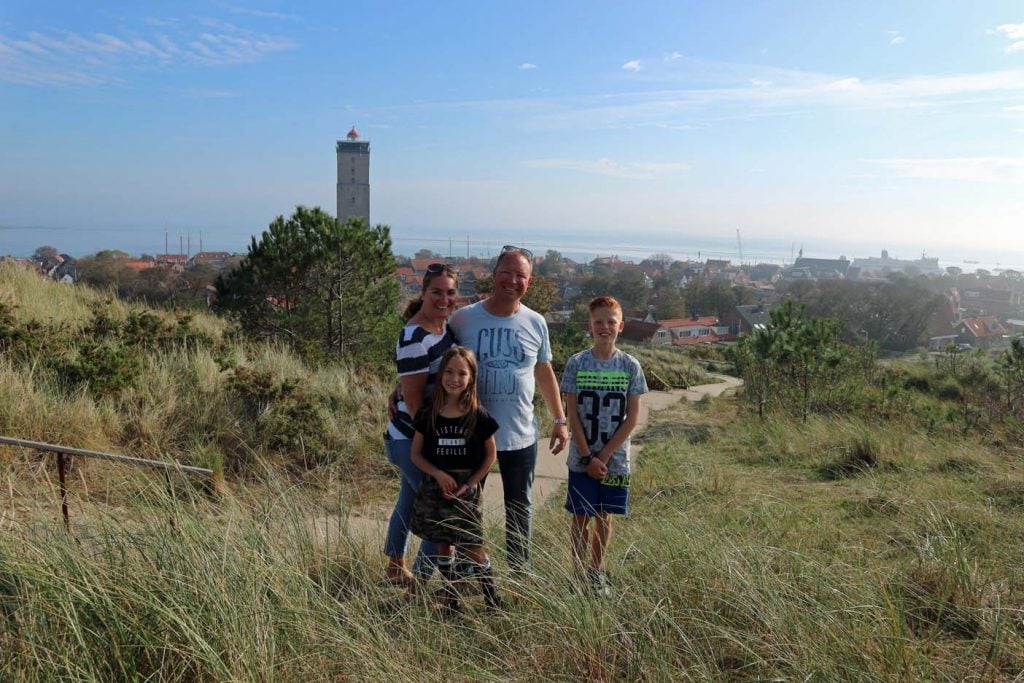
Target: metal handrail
(63, 451)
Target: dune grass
(826, 551)
(668, 367)
(80, 369)
(852, 547)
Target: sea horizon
(634, 245)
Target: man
(514, 355)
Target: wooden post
(62, 473)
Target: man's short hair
(604, 302)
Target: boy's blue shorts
(588, 496)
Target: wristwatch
(559, 421)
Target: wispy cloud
(633, 65)
(263, 14)
(1015, 34)
(66, 58)
(688, 93)
(527, 66)
(896, 38)
(1000, 170)
(609, 167)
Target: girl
(454, 446)
(422, 342)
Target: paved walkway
(370, 524)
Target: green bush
(948, 389)
(288, 418)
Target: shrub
(859, 457)
(948, 389)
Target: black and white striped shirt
(418, 351)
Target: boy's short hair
(604, 302)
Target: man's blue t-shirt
(507, 349)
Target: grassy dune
(668, 366)
(85, 370)
(840, 548)
(831, 551)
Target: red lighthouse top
(353, 134)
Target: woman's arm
(412, 388)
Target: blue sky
(817, 123)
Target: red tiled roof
(638, 331)
(985, 326)
(138, 265)
(702, 321)
(420, 264)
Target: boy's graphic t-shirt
(602, 389)
(448, 447)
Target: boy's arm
(548, 385)
(625, 428)
(575, 426)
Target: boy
(603, 387)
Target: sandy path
(370, 524)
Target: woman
(421, 343)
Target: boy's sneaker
(598, 583)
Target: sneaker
(598, 583)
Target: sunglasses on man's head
(437, 268)
(513, 249)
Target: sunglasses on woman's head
(437, 268)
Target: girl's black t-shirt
(447, 447)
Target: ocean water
(635, 247)
(632, 245)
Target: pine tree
(320, 285)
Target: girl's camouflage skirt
(455, 521)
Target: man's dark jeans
(517, 471)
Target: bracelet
(559, 421)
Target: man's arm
(548, 386)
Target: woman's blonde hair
(468, 400)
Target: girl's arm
(490, 455)
(444, 480)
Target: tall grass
(836, 548)
(183, 390)
(668, 366)
(740, 560)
